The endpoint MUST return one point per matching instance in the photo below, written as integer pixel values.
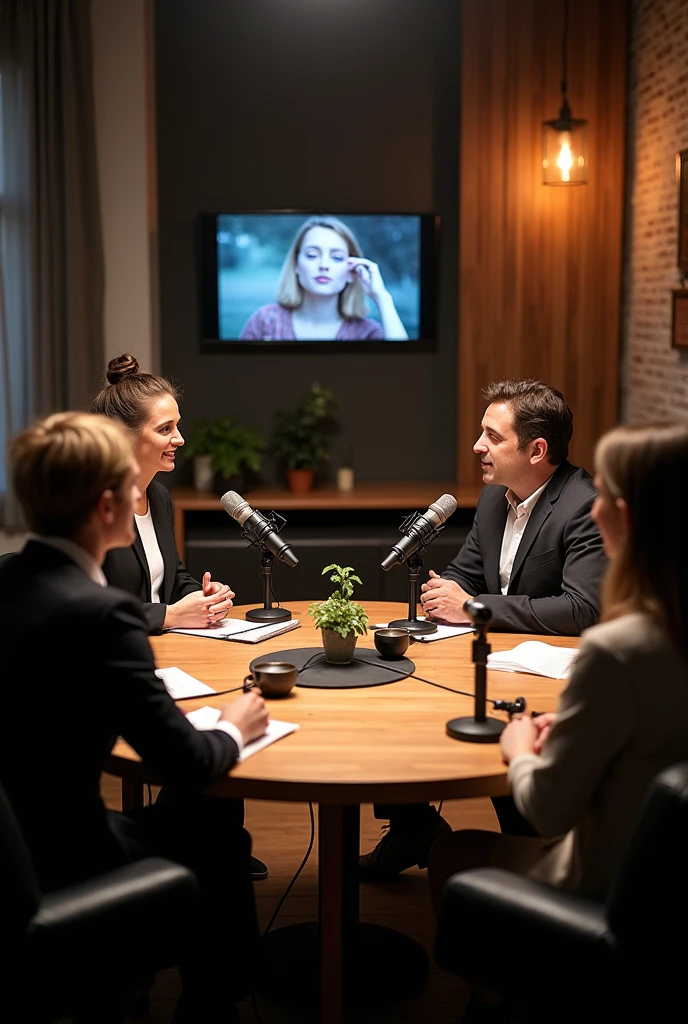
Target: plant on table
(341, 620)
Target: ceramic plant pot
(339, 650)
(300, 481)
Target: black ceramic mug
(272, 678)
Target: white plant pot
(203, 473)
(345, 478)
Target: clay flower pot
(339, 650)
(300, 481)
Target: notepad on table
(242, 631)
(538, 658)
(442, 633)
(180, 685)
(206, 718)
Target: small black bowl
(392, 642)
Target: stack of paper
(535, 657)
(242, 630)
(180, 685)
(206, 718)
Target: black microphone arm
(420, 530)
(262, 531)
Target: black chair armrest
(115, 920)
(498, 927)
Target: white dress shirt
(156, 566)
(516, 522)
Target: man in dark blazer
(83, 674)
(533, 556)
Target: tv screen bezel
(206, 232)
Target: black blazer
(127, 568)
(79, 672)
(555, 581)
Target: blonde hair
(62, 465)
(352, 299)
(647, 466)
(128, 394)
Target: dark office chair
(76, 951)
(558, 957)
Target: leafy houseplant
(341, 620)
(300, 440)
(231, 450)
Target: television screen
(298, 278)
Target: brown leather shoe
(395, 852)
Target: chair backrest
(19, 891)
(649, 896)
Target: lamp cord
(565, 48)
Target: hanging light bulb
(565, 139)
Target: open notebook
(242, 631)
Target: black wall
(334, 104)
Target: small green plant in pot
(341, 620)
(300, 440)
(228, 451)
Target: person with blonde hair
(86, 676)
(580, 775)
(322, 292)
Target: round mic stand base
(268, 615)
(472, 731)
(417, 626)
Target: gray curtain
(51, 261)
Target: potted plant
(300, 440)
(341, 620)
(224, 449)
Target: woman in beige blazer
(579, 776)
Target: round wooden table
(381, 744)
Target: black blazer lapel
(539, 516)
(492, 529)
(165, 542)
(137, 548)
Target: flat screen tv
(289, 278)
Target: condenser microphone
(420, 530)
(259, 529)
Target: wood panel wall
(540, 267)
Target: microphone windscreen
(236, 506)
(444, 506)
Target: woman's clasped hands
(202, 608)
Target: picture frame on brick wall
(679, 319)
(682, 175)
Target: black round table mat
(367, 669)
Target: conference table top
(385, 744)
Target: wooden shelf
(409, 494)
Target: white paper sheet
(425, 638)
(536, 657)
(180, 684)
(206, 718)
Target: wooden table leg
(132, 795)
(338, 842)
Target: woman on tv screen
(322, 292)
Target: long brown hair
(128, 394)
(647, 466)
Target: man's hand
(249, 714)
(443, 600)
(519, 737)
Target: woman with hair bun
(151, 568)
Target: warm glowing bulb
(565, 159)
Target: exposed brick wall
(654, 377)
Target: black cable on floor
(296, 875)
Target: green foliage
(300, 438)
(231, 448)
(339, 612)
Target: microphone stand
(416, 627)
(479, 728)
(267, 613)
